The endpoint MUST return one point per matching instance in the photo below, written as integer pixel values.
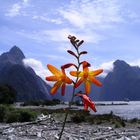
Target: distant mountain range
(121, 83)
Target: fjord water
(126, 110)
(129, 111)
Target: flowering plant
(86, 76)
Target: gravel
(46, 128)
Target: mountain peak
(15, 55)
(117, 62)
(14, 48)
(16, 51)
(120, 64)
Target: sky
(110, 30)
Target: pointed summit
(120, 62)
(15, 49)
(16, 52)
(15, 56)
(121, 65)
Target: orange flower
(87, 76)
(60, 78)
(87, 102)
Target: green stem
(66, 115)
(70, 103)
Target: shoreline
(130, 111)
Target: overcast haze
(110, 28)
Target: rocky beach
(47, 127)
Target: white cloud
(92, 20)
(25, 1)
(17, 9)
(61, 34)
(14, 11)
(107, 67)
(73, 17)
(87, 17)
(58, 34)
(92, 14)
(47, 19)
(37, 66)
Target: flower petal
(85, 107)
(63, 89)
(75, 73)
(55, 87)
(96, 72)
(87, 86)
(78, 83)
(92, 106)
(52, 78)
(68, 80)
(54, 70)
(95, 81)
(85, 67)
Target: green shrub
(9, 114)
(119, 124)
(12, 116)
(135, 120)
(79, 116)
(26, 115)
(3, 111)
(110, 118)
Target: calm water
(132, 110)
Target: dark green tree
(7, 94)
